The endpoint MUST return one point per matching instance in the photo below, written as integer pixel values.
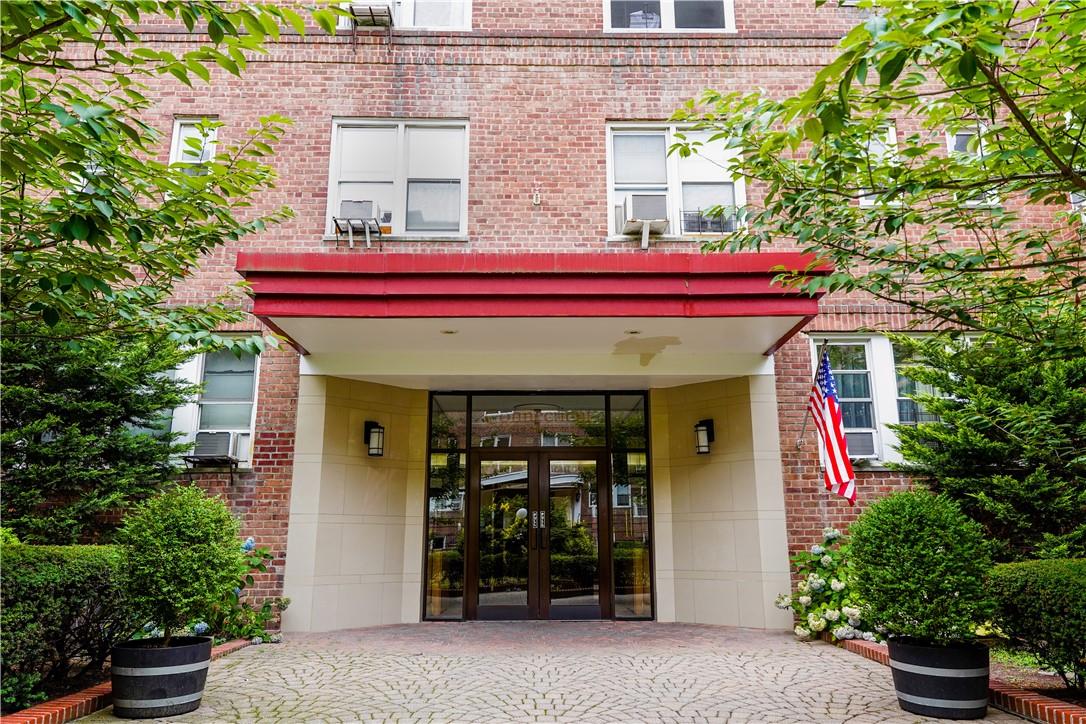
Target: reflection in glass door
(505, 564)
(573, 535)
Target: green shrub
(1041, 608)
(182, 557)
(921, 567)
(63, 609)
(235, 618)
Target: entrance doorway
(534, 543)
(538, 506)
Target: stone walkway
(548, 671)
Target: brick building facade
(526, 114)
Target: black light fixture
(375, 438)
(703, 435)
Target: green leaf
(812, 128)
(891, 69)
(967, 65)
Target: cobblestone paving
(548, 671)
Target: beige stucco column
(721, 544)
(354, 544)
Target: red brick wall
(538, 83)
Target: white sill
(667, 238)
(360, 239)
(671, 31)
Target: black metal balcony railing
(696, 222)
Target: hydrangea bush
(824, 599)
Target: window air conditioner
(213, 447)
(374, 14)
(642, 213)
(361, 216)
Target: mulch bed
(1038, 681)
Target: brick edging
(1001, 695)
(89, 700)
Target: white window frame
(674, 179)
(405, 18)
(667, 21)
(186, 418)
(181, 122)
(505, 440)
(977, 128)
(880, 369)
(400, 179)
(890, 141)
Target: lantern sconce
(703, 435)
(375, 439)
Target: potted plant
(921, 569)
(182, 558)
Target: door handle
(542, 525)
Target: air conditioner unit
(642, 214)
(213, 447)
(360, 216)
(374, 14)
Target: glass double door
(537, 534)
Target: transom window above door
(677, 16)
(412, 173)
(687, 192)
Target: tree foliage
(96, 232)
(940, 232)
(83, 428)
(1008, 442)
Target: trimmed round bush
(1041, 608)
(921, 568)
(63, 609)
(182, 556)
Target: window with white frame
(496, 441)
(622, 498)
(414, 172)
(852, 373)
(682, 16)
(692, 189)
(227, 403)
(881, 150)
(909, 411)
(1078, 201)
(423, 15)
(555, 439)
(193, 143)
(967, 142)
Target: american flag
(825, 410)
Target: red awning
(455, 285)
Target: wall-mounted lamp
(375, 438)
(703, 435)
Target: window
(415, 173)
(496, 441)
(851, 371)
(688, 189)
(909, 411)
(881, 150)
(967, 143)
(1078, 201)
(193, 143)
(227, 403)
(555, 439)
(424, 15)
(685, 16)
(622, 495)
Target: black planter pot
(950, 682)
(150, 681)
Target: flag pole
(807, 409)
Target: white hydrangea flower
(817, 550)
(850, 611)
(805, 600)
(816, 582)
(853, 621)
(836, 585)
(831, 614)
(819, 625)
(803, 586)
(802, 633)
(831, 534)
(868, 636)
(844, 632)
(784, 601)
(827, 561)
